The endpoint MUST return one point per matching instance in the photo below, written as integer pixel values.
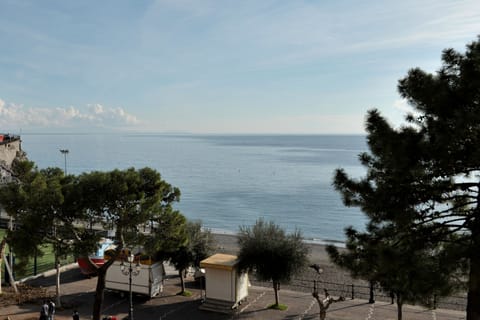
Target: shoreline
(227, 243)
(309, 240)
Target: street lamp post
(65, 152)
(130, 271)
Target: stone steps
(220, 306)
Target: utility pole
(65, 152)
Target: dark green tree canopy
(201, 242)
(36, 201)
(265, 247)
(197, 246)
(423, 178)
(126, 201)
(68, 211)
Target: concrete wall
(8, 152)
(220, 284)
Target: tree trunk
(323, 313)
(372, 293)
(10, 273)
(97, 304)
(102, 275)
(57, 283)
(57, 267)
(182, 281)
(3, 244)
(324, 304)
(473, 298)
(399, 306)
(323, 310)
(2, 248)
(276, 286)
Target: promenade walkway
(78, 293)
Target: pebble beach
(227, 243)
(336, 280)
(332, 278)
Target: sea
(227, 181)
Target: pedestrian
(75, 315)
(44, 311)
(51, 310)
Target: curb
(48, 273)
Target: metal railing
(33, 268)
(361, 290)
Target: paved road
(79, 291)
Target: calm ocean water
(227, 180)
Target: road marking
(371, 311)
(434, 315)
(308, 309)
(254, 300)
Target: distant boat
(97, 258)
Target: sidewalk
(78, 292)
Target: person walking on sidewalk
(51, 310)
(44, 311)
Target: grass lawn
(279, 306)
(45, 261)
(185, 293)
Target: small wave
(324, 242)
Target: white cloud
(96, 108)
(15, 116)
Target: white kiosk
(225, 287)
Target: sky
(182, 66)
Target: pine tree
(423, 178)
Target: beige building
(225, 286)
